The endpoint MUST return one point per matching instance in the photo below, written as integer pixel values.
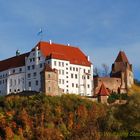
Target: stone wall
(113, 84)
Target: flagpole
(40, 33)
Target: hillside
(40, 117)
(135, 89)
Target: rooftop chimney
(50, 41)
(88, 58)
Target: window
(88, 71)
(59, 71)
(62, 72)
(88, 86)
(55, 63)
(71, 75)
(59, 81)
(34, 74)
(73, 68)
(20, 70)
(14, 71)
(36, 82)
(40, 65)
(72, 84)
(76, 85)
(28, 67)
(63, 81)
(29, 75)
(29, 84)
(30, 59)
(49, 76)
(70, 68)
(59, 63)
(62, 64)
(75, 76)
(76, 69)
(38, 58)
(87, 76)
(33, 67)
(84, 70)
(33, 59)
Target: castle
(50, 68)
(56, 69)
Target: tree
(96, 71)
(105, 69)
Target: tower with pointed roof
(123, 69)
(103, 94)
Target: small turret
(17, 53)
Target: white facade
(12, 80)
(72, 78)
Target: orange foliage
(9, 133)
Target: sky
(101, 28)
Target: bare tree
(96, 71)
(105, 69)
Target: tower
(123, 69)
(103, 94)
(49, 80)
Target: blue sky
(101, 28)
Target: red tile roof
(63, 52)
(121, 57)
(17, 61)
(103, 91)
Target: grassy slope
(134, 89)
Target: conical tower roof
(103, 91)
(121, 57)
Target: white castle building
(23, 72)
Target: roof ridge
(14, 57)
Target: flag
(40, 32)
